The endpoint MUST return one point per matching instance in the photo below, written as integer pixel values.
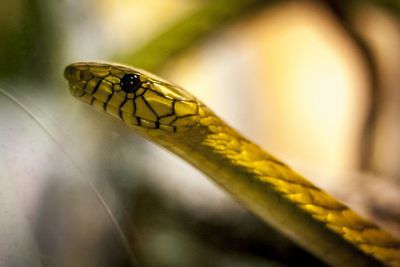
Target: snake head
(138, 98)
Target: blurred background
(315, 83)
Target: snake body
(166, 114)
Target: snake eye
(130, 83)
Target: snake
(166, 114)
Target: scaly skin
(166, 114)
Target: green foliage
(27, 42)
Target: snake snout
(78, 73)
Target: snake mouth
(133, 96)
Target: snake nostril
(130, 83)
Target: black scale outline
(137, 118)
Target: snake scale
(166, 114)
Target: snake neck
(280, 196)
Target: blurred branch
(390, 5)
(187, 31)
(342, 11)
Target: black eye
(130, 83)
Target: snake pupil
(130, 83)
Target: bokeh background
(316, 83)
